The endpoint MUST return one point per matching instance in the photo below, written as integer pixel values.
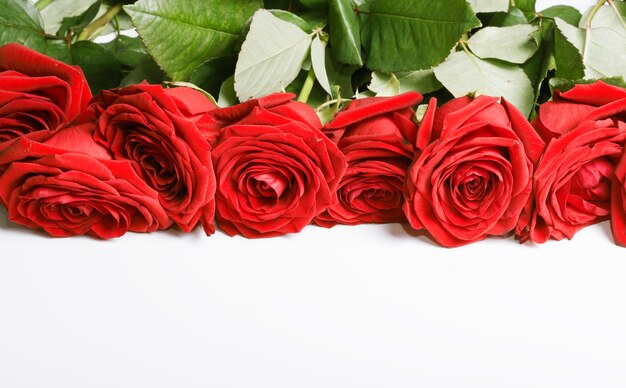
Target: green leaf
(129, 51)
(227, 96)
(565, 12)
(415, 34)
(423, 81)
(563, 85)
(340, 76)
(271, 56)
(384, 85)
(345, 32)
(182, 34)
(102, 70)
(211, 74)
(514, 17)
(315, 19)
(77, 23)
(20, 22)
(603, 49)
(513, 44)
(292, 18)
(276, 4)
(146, 70)
(538, 66)
(56, 11)
(318, 61)
(606, 17)
(318, 5)
(485, 6)
(528, 7)
(463, 73)
(567, 54)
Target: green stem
(592, 14)
(41, 4)
(307, 87)
(101, 22)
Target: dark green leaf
(276, 4)
(319, 5)
(102, 70)
(345, 32)
(565, 12)
(528, 7)
(211, 74)
(182, 34)
(416, 34)
(569, 61)
(315, 19)
(77, 23)
(563, 85)
(292, 18)
(317, 97)
(340, 75)
(514, 17)
(147, 70)
(129, 51)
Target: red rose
(280, 104)
(586, 127)
(275, 173)
(37, 92)
(154, 127)
(475, 178)
(48, 184)
(376, 135)
(573, 181)
(583, 103)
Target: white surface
(368, 306)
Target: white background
(368, 306)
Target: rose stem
(100, 22)
(307, 87)
(41, 4)
(593, 13)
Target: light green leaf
(384, 85)
(345, 32)
(484, 6)
(423, 81)
(271, 56)
(513, 44)
(603, 49)
(183, 34)
(318, 60)
(56, 11)
(606, 17)
(227, 96)
(407, 35)
(463, 73)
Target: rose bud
(376, 135)
(37, 93)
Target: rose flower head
(37, 93)
(67, 185)
(155, 128)
(472, 175)
(377, 136)
(579, 181)
(275, 168)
